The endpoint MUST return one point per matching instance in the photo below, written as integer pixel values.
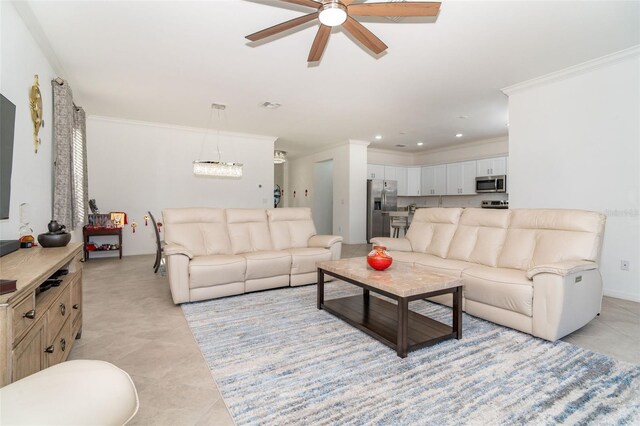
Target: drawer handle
(30, 314)
(76, 306)
(63, 309)
(63, 344)
(49, 349)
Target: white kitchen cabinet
(413, 181)
(492, 166)
(390, 173)
(433, 180)
(401, 178)
(461, 178)
(375, 171)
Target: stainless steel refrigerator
(382, 196)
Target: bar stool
(397, 223)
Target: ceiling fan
(332, 13)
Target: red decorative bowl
(379, 259)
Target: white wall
(574, 143)
(349, 187)
(323, 196)
(485, 148)
(135, 167)
(31, 179)
(470, 151)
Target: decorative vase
(379, 259)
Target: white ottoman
(80, 392)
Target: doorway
(323, 197)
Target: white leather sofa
(79, 392)
(534, 270)
(214, 252)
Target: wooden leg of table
(403, 319)
(457, 313)
(120, 243)
(320, 288)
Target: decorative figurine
(146, 220)
(133, 227)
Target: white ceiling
(168, 61)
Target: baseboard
(621, 295)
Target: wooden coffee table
(392, 324)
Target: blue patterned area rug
(278, 360)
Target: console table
(37, 329)
(88, 232)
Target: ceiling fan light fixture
(333, 14)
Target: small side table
(90, 231)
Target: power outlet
(624, 265)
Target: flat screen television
(7, 126)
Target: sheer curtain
(70, 178)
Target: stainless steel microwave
(491, 184)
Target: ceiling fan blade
(319, 43)
(365, 36)
(282, 27)
(395, 9)
(308, 3)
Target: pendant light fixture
(216, 168)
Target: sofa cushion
(444, 266)
(266, 264)
(303, 260)
(205, 271)
(290, 227)
(432, 229)
(405, 256)
(480, 236)
(500, 287)
(541, 236)
(248, 230)
(200, 230)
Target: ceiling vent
(270, 105)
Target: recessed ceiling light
(378, 137)
(459, 135)
(218, 106)
(270, 105)
(420, 143)
(463, 117)
(400, 145)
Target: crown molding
(574, 70)
(178, 127)
(358, 142)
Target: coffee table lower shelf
(379, 319)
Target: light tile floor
(130, 320)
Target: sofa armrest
(331, 242)
(172, 249)
(393, 244)
(563, 304)
(325, 241)
(562, 268)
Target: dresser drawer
(24, 316)
(76, 299)
(59, 348)
(58, 313)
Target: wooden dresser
(38, 330)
